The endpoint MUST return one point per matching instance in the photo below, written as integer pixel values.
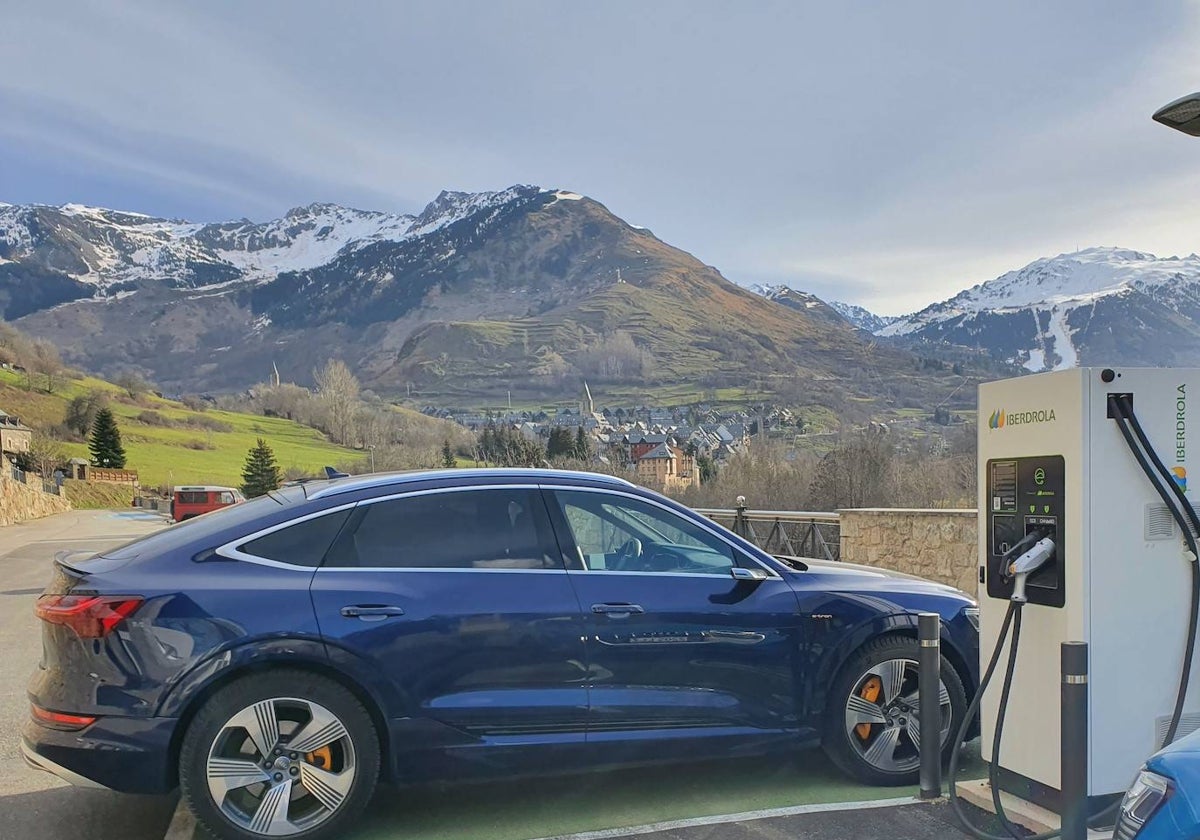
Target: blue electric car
(1164, 801)
(276, 658)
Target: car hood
(855, 576)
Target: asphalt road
(35, 804)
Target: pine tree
(448, 456)
(105, 444)
(559, 444)
(583, 449)
(261, 473)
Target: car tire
(869, 728)
(224, 776)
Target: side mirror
(741, 573)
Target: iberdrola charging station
(1086, 535)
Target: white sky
(888, 154)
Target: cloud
(885, 153)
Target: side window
(192, 497)
(302, 544)
(620, 534)
(226, 498)
(468, 529)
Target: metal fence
(797, 533)
(22, 476)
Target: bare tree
(614, 357)
(43, 359)
(338, 390)
(46, 453)
(81, 411)
(133, 384)
(15, 346)
(288, 400)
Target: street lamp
(1181, 115)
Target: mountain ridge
(526, 290)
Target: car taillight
(60, 720)
(90, 616)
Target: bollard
(929, 690)
(1074, 755)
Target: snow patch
(1037, 360)
(1061, 333)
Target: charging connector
(1029, 562)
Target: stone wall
(20, 502)
(938, 545)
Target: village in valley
(668, 448)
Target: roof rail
(351, 484)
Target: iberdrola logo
(996, 421)
(1180, 477)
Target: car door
(459, 597)
(686, 634)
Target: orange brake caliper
(870, 692)
(322, 758)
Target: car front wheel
(285, 754)
(872, 719)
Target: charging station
(1054, 464)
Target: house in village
(15, 436)
(667, 467)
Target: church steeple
(586, 405)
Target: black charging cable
(1012, 620)
(1126, 419)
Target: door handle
(371, 612)
(617, 610)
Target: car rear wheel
(872, 719)
(285, 754)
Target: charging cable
(1031, 559)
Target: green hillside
(168, 443)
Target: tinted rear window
(504, 528)
(302, 544)
(191, 497)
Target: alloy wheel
(883, 716)
(281, 766)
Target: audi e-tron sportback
(275, 659)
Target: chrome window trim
(707, 575)
(702, 526)
(436, 569)
(230, 551)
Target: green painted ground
(542, 807)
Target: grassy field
(207, 447)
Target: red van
(193, 501)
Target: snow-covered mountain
(520, 290)
(1095, 306)
(861, 317)
(111, 251)
(802, 301)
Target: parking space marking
(718, 819)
